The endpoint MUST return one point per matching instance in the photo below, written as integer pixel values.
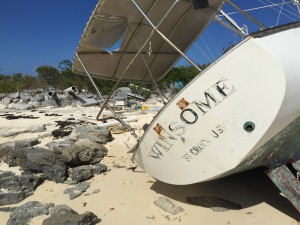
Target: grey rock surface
(81, 152)
(63, 214)
(217, 204)
(91, 132)
(168, 206)
(77, 190)
(6, 147)
(24, 213)
(6, 101)
(39, 160)
(81, 173)
(98, 168)
(14, 189)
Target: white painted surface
(261, 78)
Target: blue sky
(40, 32)
(45, 32)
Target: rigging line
(291, 13)
(294, 2)
(126, 45)
(213, 57)
(212, 39)
(155, 84)
(279, 15)
(267, 6)
(203, 52)
(278, 11)
(137, 54)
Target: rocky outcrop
(81, 173)
(63, 214)
(14, 189)
(93, 133)
(82, 152)
(41, 97)
(23, 214)
(39, 160)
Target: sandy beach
(122, 195)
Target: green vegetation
(63, 77)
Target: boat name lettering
(213, 96)
(205, 142)
(163, 143)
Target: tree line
(63, 77)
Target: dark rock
(7, 147)
(82, 152)
(12, 145)
(215, 203)
(23, 214)
(65, 128)
(63, 214)
(90, 152)
(11, 197)
(39, 160)
(14, 189)
(76, 191)
(98, 168)
(91, 132)
(7, 209)
(81, 173)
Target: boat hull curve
(221, 122)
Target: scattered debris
(10, 116)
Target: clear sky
(40, 32)
(45, 32)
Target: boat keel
(287, 183)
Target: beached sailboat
(242, 112)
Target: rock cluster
(29, 99)
(71, 161)
(58, 214)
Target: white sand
(126, 197)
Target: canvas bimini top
(117, 30)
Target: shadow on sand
(248, 189)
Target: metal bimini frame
(155, 30)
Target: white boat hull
(235, 116)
